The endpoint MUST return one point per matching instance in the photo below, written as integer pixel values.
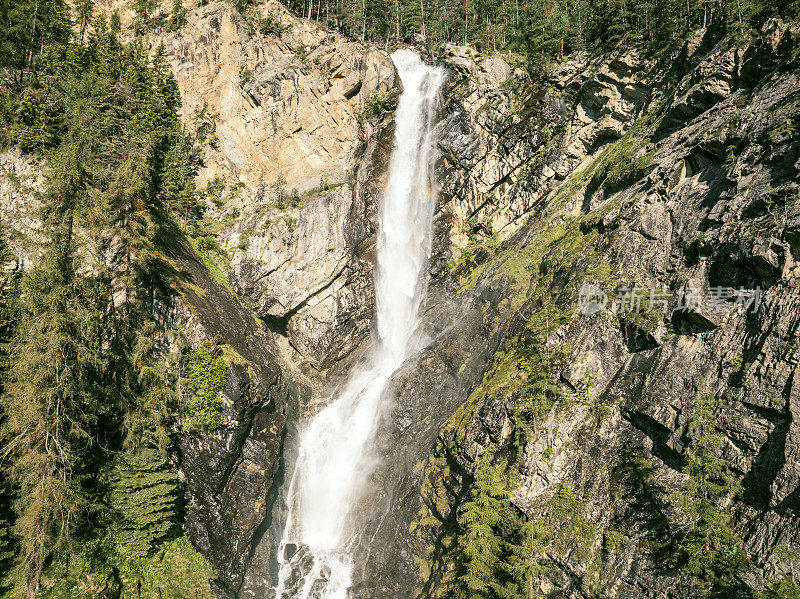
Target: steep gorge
(615, 171)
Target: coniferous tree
(542, 30)
(177, 18)
(28, 28)
(537, 397)
(9, 307)
(144, 496)
(88, 386)
(9, 290)
(479, 545)
(7, 542)
(706, 545)
(496, 547)
(83, 10)
(54, 391)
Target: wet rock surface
(231, 475)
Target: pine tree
(707, 547)
(523, 543)
(177, 191)
(177, 18)
(54, 391)
(145, 13)
(497, 549)
(36, 127)
(144, 497)
(545, 34)
(538, 395)
(88, 390)
(479, 545)
(84, 8)
(9, 308)
(28, 28)
(7, 542)
(9, 290)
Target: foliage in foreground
(495, 545)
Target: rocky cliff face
(292, 169)
(631, 178)
(281, 114)
(231, 475)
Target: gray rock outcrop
(682, 182)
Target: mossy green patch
(175, 571)
(212, 256)
(780, 589)
(620, 163)
(571, 530)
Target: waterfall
(314, 556)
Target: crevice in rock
(658, 433)
(279, 324)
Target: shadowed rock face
(232, 475)
(710, 205)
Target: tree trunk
(466, 21)
(397, 18)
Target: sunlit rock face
(280, 105)
(282, 116)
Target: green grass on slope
(175, 571)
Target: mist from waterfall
(314, 556)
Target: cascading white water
(331, 460)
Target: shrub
(244, 239)
(207, 375)
(271, 24)
(245, 76)
(377, 104)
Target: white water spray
(314, 556)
